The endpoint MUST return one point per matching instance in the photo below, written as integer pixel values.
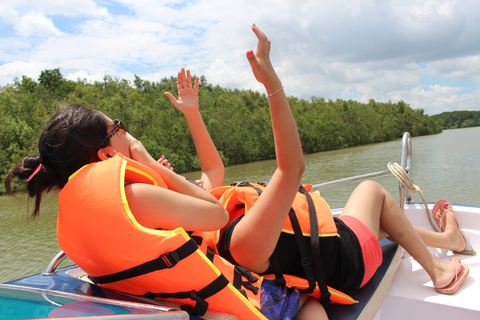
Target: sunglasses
(117, 127)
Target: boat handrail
(405, 163)
(52, 266)
(338, 182)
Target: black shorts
(342, 257)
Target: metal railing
(405, 163)
(52, 266)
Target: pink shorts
(371, 250)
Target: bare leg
(310, 309)
(450, 239)
(378, 210)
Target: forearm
(288, 146)
(179, 184)
(210, 162)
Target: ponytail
(39, 179)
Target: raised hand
(260, 62)
(187, 96)
(210, 162)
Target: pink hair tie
(35, 172)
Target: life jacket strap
(307, 261)
(239, 274)
(239, 283)
(165, 261)
(210, 254)
(200, 297)
(248, 184)
(315, 249)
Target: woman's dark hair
(69, 141)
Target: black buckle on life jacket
(249, 286)
(170, 259)
(307, 261)
(241, 184)
(264, 183)
(200, 307)
(238, 283)
(247, 274)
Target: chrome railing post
(406, 164)
(52, 266)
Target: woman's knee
(369, 196)
(370, 184)
(372, 187)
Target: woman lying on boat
(79, 142)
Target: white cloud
(463, 68)
(437, 99)
(56, 7)
(35, 24)
(17, 69)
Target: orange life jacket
(309, 213)
(97, 230)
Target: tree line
(458, 119)
(238, 120)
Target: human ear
(106, 153)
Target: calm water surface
(444, 166)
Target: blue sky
(425, 52)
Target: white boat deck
(412, 295)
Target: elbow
(225, 217)
(222, 217)
(301, 169)
(293, 170)
(296, 173)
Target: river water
(444, 166)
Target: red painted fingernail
(254, 25)
(250, 52)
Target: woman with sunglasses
(77, 136)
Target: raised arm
(210, 162)
(288, 147)
(256, 235)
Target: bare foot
(445, 274)
(451, 228)
(450, 276)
